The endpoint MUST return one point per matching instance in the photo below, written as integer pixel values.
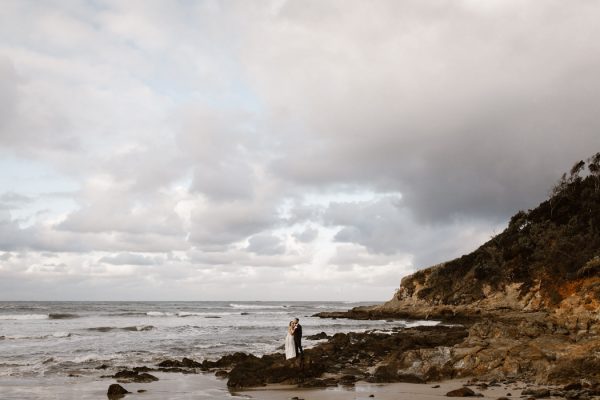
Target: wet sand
(384, 391)
(174, 386)
(169, 387)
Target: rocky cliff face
(547, 259)
(530, 297)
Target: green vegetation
(555, 244)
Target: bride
(290, 348)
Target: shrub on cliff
(553, 244)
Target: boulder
(116, 391)
(126, 376)
(318, 336)
(461, 392)
(221, 373)
(536, 393)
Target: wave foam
(23, 316)
(160, 314)
(256, 306)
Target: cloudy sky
(294, 150)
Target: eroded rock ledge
(506, 344)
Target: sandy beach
(388, 391)
(206, 386)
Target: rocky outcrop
(349, 357)
(126, 376)
(530, 297)
(116, 391)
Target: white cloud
(277, 149)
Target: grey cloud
(8, 93)
(432, 101)
(221, 150)
(387, 227)
(307, 235)
(129, 259)
(12, 199)
(220, 224)
(241, 258)
(46, 239)
(349, 255)
(265, 243)
(470, 110)
(117, 209)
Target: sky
(278, 150)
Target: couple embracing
(293, 340)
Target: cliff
(529, 297)
(547, 259)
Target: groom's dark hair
(297, 319)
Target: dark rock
(536, 393)
(435, 386)
(461, 392)
(409, 378)
(318, 336)
(312, 383)
(116, 391)
(348, 379)
(142, 391)
(573, 386)
(184, 363)
(188, 363)
(126, 376)
(103, 366)
(221, 373)
(142, 369)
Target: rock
(435, 386)
(116, 391)
(536, 393)
(313, 383)
(168, 365)
(573, 386)
(221, 373)
(103, 366)
(126, 376)
(318, 336)
(461, 392)
(348, 379)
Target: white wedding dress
(290, 347)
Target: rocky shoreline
(488, 348)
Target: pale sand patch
(387, 391)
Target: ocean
(42, 343)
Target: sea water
(53, 341)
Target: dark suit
(298, 340)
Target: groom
(298, 338)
